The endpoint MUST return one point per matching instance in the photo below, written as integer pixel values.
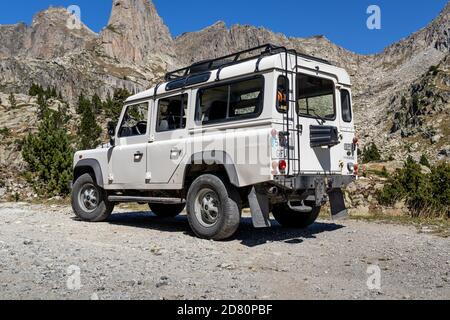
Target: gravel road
(45, 253)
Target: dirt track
(138, 256)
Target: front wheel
(89, 201)
(289, 218)
(213, 208)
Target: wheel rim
(88, 198)
(207, 207)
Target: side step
(145, 199)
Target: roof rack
(234, 58)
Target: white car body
(249, 150)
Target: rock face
(49, 36)
(136, 49)
(135, 33)
(12, 38)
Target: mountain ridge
(136, 48)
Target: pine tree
(42, 106)
(96, 104)
(49, 155)
(88, 131)
(12, 101)
(35, 90)
(113, 107)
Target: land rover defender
(267, 128)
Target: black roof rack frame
(235, 58)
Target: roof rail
(234, 58)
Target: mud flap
(338, 209)
(259, 206)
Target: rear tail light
(274, 133)
(356, 169)
(283, 166)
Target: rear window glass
(315, 97)
(346, 106)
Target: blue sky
(343, 22)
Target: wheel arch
(90, 166)
(220, 160)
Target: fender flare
(95, 166)
(217, 157)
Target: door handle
(175, 153)
(138, 156)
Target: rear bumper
(310, 182)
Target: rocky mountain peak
(135, 31)
(52, 34)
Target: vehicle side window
(315, 97)
(282, 94)
(234, 101)
(346, 106)
(135, 121)
(172, 113)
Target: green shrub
(5, 132)
(371, 153)
(49, 155)
(384, 173)
(433, 70)
(425, 194)
(35, 90)
(424, 161)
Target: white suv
(267, 129)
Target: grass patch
(436, 226)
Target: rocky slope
(135, 49)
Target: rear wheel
(213, 208)
(289, 218)
(166, 210)
(89, 201)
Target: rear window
(234, 101)
(346, 106)
(315, 97)
(282, 94)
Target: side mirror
(112, 133)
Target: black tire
(289, 218)
(98, 213)
(213, 208)
(166, 210)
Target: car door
(128, 159)
(168, 147)
(318, 115)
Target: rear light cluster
(282, 166)
(279, 167)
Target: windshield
(315, 97)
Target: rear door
(348, 149)
(317, 109)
